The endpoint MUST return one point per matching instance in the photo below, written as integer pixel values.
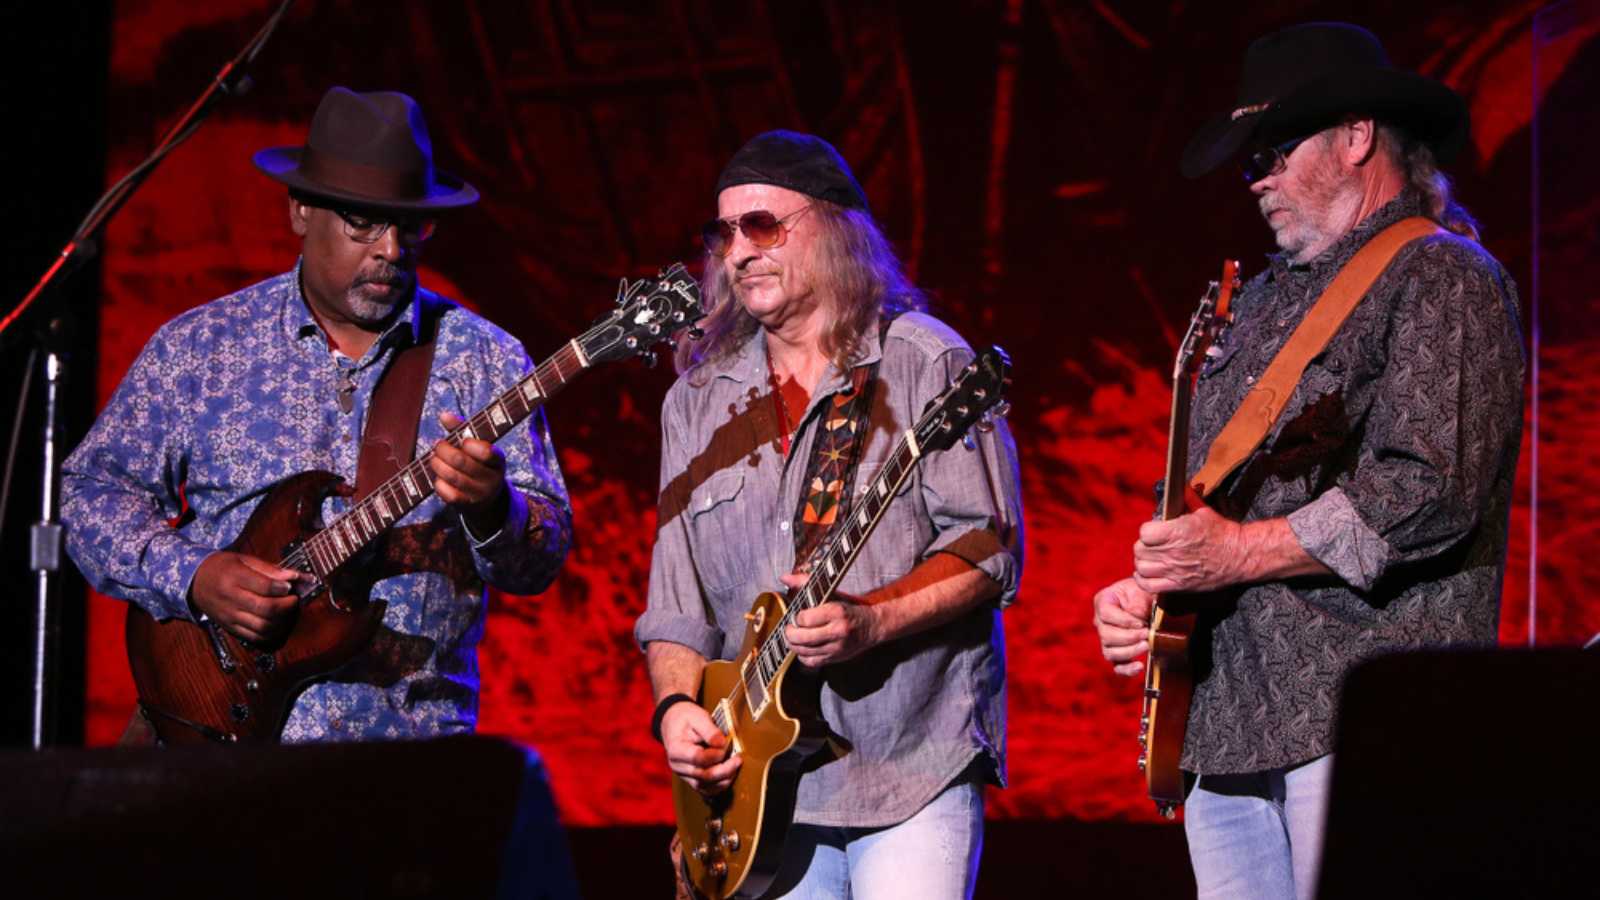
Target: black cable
(16, 438)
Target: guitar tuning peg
(1002, 409)
(649, 357)
(695, 333)
(985, 424)
(968, 442)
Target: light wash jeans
(931, 856)
(1258, 836)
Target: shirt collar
(299, 324)
(1405, 205)
(749, 364)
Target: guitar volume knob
(730, 841)
(701, 852)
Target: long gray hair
(853, 269)
(1416, 160)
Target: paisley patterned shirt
(230, 398)
(1393, 462)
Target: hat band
(359, 178)
(1243, 111)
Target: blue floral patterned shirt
(230, 398)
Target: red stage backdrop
(1023, 156)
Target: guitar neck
(1177, 472)
(389, 502)
(843, 546)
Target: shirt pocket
(722, 530)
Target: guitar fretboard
(333, 546)
(839, 553)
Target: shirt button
(783, 526)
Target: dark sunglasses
(760, 227)
(1268, 161)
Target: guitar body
(1169, 685)
(733, 841)
(199, 684)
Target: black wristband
(666, 703)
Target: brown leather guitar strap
(389, 439)
(1262, 406)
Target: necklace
(780, 403)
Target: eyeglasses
(363, 230)
(761, 228)
(1268, 161)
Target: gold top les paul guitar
(765, 703)
(1169, 675)
(198, 683)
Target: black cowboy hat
(370, 150)
(1300, 80)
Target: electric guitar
(765, 702)
(1169, 675)
(199, 683)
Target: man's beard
(371, 310)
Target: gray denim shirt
(917, 711)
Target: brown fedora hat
(370, 150)
(1302, 79)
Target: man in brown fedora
(232, 397)
(1368, 512)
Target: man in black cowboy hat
(234, 396)
(1368, 512)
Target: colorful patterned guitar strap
(831, 469)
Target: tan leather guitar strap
(1250, 423)
(389, 440)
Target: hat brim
(1430, 111)
(447, 192)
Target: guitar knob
(718, 869)
(730, 841)
(714, 826)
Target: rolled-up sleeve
(675, 609)
(974, 496)
(1445, 420)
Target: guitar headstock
(1214, 312)
(975, 397)
(649, 312)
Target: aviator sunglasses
(760, 227)
(1268, 161)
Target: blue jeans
(1258, 836)
(931, 856)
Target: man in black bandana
(1372, 518)
(800, 286)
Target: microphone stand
(45, 537)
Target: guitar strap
(831, 468)
(389, 439)
(1262, 406)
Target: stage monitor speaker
(459, 817)
(1466, 774)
